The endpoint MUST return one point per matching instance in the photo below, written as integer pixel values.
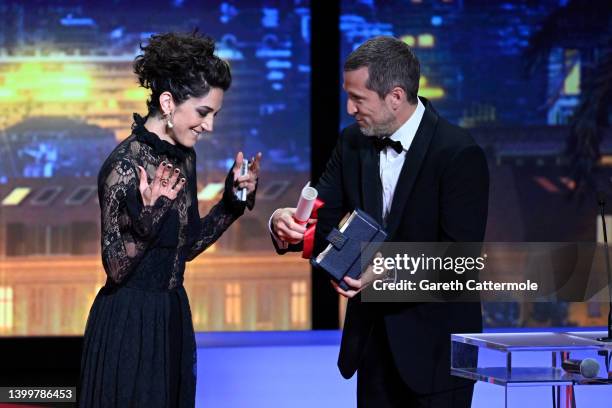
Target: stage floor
(298, 370)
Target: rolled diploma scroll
(305, 204)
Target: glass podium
(468, 350)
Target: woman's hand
(166, 183)
(249, 180)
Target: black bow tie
(381, 143)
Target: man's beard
(385, 128)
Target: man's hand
(357, 285)
(285, 227)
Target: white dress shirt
(390, 164)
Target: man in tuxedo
(424, 180)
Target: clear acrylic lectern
(501, 348)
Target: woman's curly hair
(182, 64)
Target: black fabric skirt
(138, 350)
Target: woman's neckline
(159, 145)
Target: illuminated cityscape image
(67, 95)
(68, 92)
(519, 76)
(516, 103)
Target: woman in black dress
(139, 346)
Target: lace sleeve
(127, 225)
(220, 217)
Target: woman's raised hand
(166, 183)
(249, 180)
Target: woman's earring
(169, 123)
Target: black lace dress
(139, 346)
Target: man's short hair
(390, 63)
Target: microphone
(601, 201)
(244, 170)
(588, 368)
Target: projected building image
(67, 95)
(499, 69)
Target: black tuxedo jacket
(441, 195)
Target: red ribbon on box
(309, 235)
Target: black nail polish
(163, 163)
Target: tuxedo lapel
(371, 188)
(410, 169)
